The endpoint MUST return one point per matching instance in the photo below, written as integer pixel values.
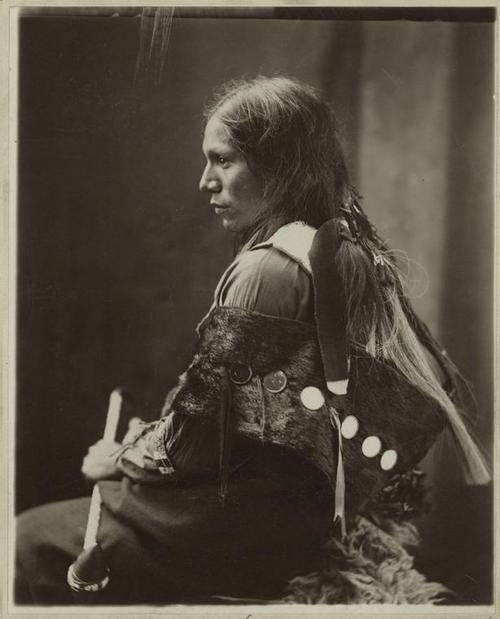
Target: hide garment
(260, 379)
(273, 369)
(271, 362)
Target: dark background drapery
(118, 254)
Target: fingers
(103, 447)
(87, 468)
(95, 468)
(135, 426)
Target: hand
(135, 427)
(100, 461)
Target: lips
(219, 208)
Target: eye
(222, 161)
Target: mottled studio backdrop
(118, 253)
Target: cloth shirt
(265, 281)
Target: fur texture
(384, 403)
(372, 566)
(233, 336)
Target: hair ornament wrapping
(381, 321)
(351, 225)
(383, 269)
(290, 139)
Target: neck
(258, 233)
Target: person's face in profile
(236, 193)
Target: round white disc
(349, 427)
(312, 398)
(371, 446)
(388, 460)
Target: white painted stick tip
(338, 387)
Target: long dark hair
(289, 137)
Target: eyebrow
(218, 150)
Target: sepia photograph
(251, 308)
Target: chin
(230, 225)
(236, 224)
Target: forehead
(216, 135)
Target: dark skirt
(177, 544)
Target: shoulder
(293, 240)
(267, 262)
(265, 266)
(268, 281)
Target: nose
(208, 181)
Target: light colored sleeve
(267, 281)
(135, 458)
(189, 449)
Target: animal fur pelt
(384, 403)
(371, 566)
